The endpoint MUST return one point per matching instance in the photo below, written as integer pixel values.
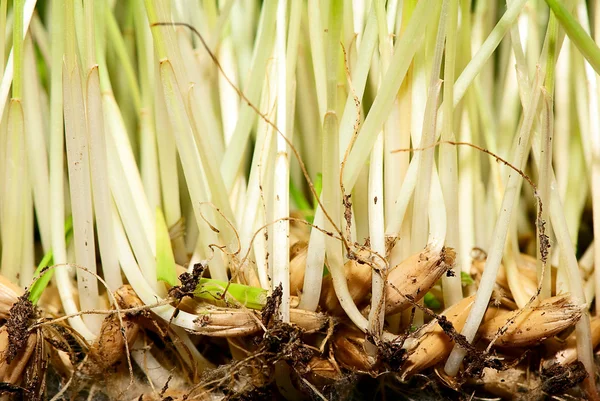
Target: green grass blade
(576, 33)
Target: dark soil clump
(17, 326)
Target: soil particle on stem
(348, 210)
(269, 311)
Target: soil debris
(263, 393)
(390, 354)
(284, 341)
(7, 388)
(271, 308)
(189, 282)
(559, 378)
(17, 325)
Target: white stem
(318, 53)
(359, 80)
(466, 205)
(562, 117)
(586, 262)
(190, 158)
(396, 218)
(281, 228)
(451, 285)
(253, 216)
(231, 163)
(585, 349)
(80, 191)
(57, 181)
(228, 97)
(100, 188)
(313, 273)
(167, 159)
(120, 176)
(28, 253)
(437, 214)
(377, 237)
(405, 48)
(496, 248)
(424, 171)
(140, 284)
(487, 48)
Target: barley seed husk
(298, 253)
(533, 324)
(224, 322)
(527, 277)
(12, 372)
(511, 382)
(109, 347)
(349, 349)
(358, 276)
(322, 372)
(564, 352)
(415, 276)
(9, 294)
(434, 345)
